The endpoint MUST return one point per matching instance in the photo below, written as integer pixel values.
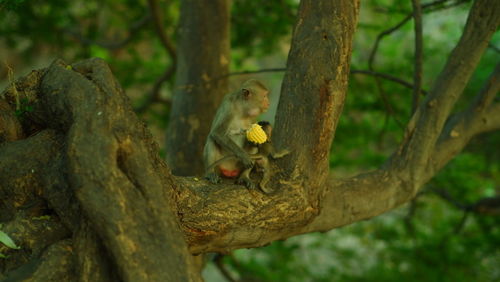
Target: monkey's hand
(213, 178)
(246, 161)
(229, 145)
(280, 154)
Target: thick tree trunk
(93, 171)
(314, 89)
(203, 62)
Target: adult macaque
(260, 154)
(237, 112)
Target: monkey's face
(256, 100)
(264, 103)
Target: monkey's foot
(247, 182)
(213, 178)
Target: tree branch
(344, 201)
(115, 172)
(317, 101)
(459, 131)
(427, 123)
(481, 116)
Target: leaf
(43, 217)
(3, 256)
(7, 241)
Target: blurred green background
(436, 237)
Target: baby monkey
(259, 154)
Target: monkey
(265, 151)
(236, 113)
(260, 154)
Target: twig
(434, 6)
(115, 44)
(387, 104)
(168, 73)
(388, 77)
(158, 23)
(385, 100)
(373, 52)
(488, 92)
(445, 195)
(417, 71)
(494, 48)
(222, 268)
(429, 7)
(381, 35)
(461, 223)
(484, 206)
(487, 205)
(409, 216)
(256, 71)
(353, 71)
(153, 94)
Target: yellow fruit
(256, 134)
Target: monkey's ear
(245, 92)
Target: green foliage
(258, 27)
(277, 262)
(7, 241)
(11, 4)
(43, 217)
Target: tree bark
(203, 61)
